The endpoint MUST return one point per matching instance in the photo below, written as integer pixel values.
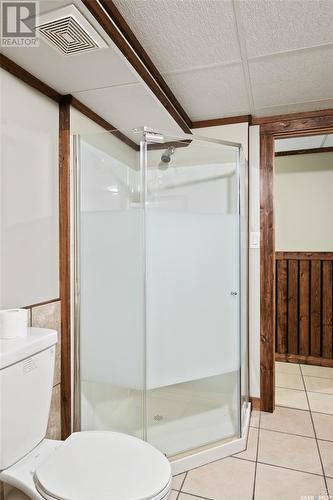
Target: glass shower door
(109, 286)
(192, 230)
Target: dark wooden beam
(110, 19)
(222, 121)
(304, 255)
(26, 77)
(267, 275)
(263, 120)
(64, 265)
(304, 151)
(305, 360)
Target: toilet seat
(103, 465)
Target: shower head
(166, 157)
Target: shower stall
(161, 291)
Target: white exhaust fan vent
(69, 32)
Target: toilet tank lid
(14, 350)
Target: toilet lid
(103, 466)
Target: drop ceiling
(220, 58)
(223, 57)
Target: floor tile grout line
(288, 433)
(256, 461)
(289, 388)
(183, 481)
(291, 407)
(290, 468)
(315, 433)
(195, 495)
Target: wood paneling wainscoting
(304, 307)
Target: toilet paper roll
(13, 323)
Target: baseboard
(305, 360)
(255, 403)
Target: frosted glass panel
(111, 289)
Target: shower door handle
(233, 293)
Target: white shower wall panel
(192, 318)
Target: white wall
(303, 186)
(29, 222)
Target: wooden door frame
(271, 128)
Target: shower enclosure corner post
(143, 200)
(76, 189)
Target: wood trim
(304, 255)
(298, 128)
(117, 29)
(267, 275)
(304, 151)
(65, 277)
(262, 120)
(222, 121)
(26, 77)
(101, 122)
(255, 403)
(32, 306)
(272, 128)
(305, 360)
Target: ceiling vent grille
(69, 32)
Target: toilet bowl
(92, 465)
(89, 465)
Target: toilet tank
(26, 381)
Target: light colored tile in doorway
(221, 480)
(288, 420)
(319, 384)
(291, 398)
(274, 483)
(321, 403)
(173, 495)
(289, 380)
(317, 371)
(323, 425)
(287, 368)
(286, 450)
(326, 452)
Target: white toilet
(92, 465)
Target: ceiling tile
(280, 25)
(294, 143)
(294, 108)
(183, 34)
(292, 77)
(211, 93)
(129, 107)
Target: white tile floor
(289, 454)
